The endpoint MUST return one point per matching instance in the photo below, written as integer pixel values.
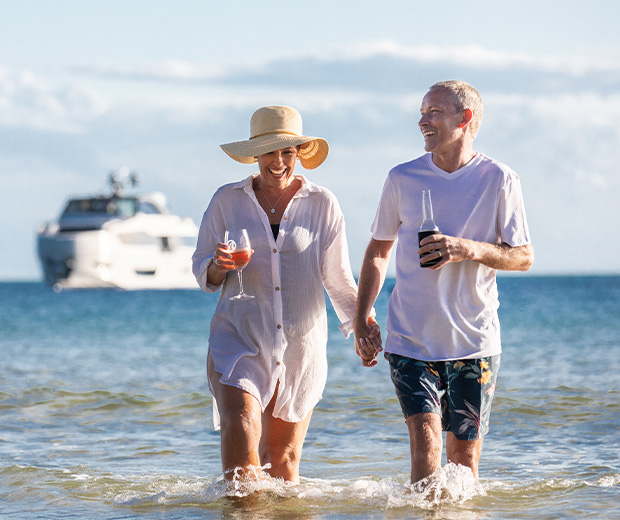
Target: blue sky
(89, 86)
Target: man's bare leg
(426, 443)
(465, 453)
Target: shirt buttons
(277, 288)
(278, 363)
(279, 326)
(275, 250)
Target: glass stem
(240, 282)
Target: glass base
(242, 296)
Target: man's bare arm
(453, 249)
(372, 276)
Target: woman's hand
(222, 259)
(368, 341)
(221, 265)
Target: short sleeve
(387, 219)
(208, 238)
(511, 221)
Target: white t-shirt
(281, 335)
(450, 313)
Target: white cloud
(403, 63)
(28, 100)
(479, 57)
(169, 70)
(563, 144)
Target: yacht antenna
(122, 179)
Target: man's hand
(454, 249)
(368, 341)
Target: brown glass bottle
(428, 227)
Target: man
(443, 342)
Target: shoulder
(321, 200)
(231, 188)
(315, 191)
(406, 169)
(495, 167)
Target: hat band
(276, 132)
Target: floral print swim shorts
(460, 391)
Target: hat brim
(312, 153)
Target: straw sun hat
(274, 128)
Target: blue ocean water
(106, 414)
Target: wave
(450, 488)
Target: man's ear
(467, 117)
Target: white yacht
(118, 240)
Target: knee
(425, 433)
(283, 461)
(467, 458)
(278, 454)
(464, 453)
(240, 424)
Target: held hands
(368, 341)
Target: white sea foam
(450, 485)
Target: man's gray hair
(466, 97)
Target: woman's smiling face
(276, 168)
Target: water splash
(450, 485)
(452, 492)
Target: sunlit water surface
(106, 414)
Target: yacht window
(148, 207)
(101, 206)
(125, 207)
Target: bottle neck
(428, 224)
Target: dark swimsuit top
(275, 229)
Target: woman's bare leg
(281, 444)
(240, 424)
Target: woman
(267, 362)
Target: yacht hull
(142, 252)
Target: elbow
(528, 258)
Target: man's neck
(453, 161)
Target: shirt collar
(307, 186)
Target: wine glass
(239, 247)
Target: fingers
(375, 333)
(369, 362)
(222, 259)
(368, 350)
(368, 341)
(436, 248)
(431, 250)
